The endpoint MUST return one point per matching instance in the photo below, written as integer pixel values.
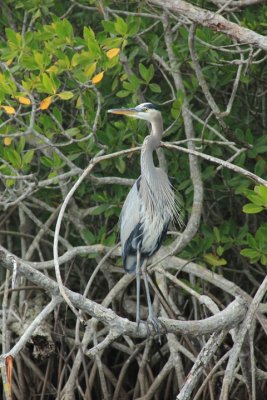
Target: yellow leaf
(46, 103)
(97, 78)
(113, 52)
(9, 109)
(7, 141)
(24, 100)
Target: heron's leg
(148, 298)
(151, 318)
(138, 278)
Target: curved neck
(150, 144)
(157, 129)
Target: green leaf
(72, 131)
(28, 156)
(213, 260)
(122, 93)
(13, 156)
(11, 35)
(217, 234)
(88, 33)
(39, 58)
(252, 208)
(120, 26)
(109, 26)
(263, 259)
(254, 198)
(47, 162)
(260, 167)
(177, 104)
(120, 164)
(47, 84)
(262, 192)
(21, 144)
(91, 41)
(9, 182)
(250, 253)
(111, 240)
(146, 73)
(133, 27)
(220, 251)
(88, 236)
(90, 70)
(14, 38)
(251, 241)
(154, 87)
(99, 209)
(65, 95)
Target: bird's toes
(153, 324)
(156, 325)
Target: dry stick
(173, 341)
(252, 361)
(218, 161)
(207, 352)
(124, 369)
(88, 286)
(200, 77)
(40, 234)
(245, 326)
(113, 293)
(110, 338)
(209, 375)
(205, 89)
(162, 375)
(203, 299)
(101, 374)
(195, 174)
(90, 167)
(32, 366)
(214, 21)
(72, 253)
(4, 315)
(142, 377)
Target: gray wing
(130, 213)
(129, 226)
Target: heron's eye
(145, 109)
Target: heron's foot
(155, 324)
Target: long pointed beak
(123, 111)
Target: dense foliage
(63, 65)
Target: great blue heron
(149, 207)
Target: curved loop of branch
(195, 174)
(226, 319)
(87, 171)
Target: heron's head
(146, 111)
